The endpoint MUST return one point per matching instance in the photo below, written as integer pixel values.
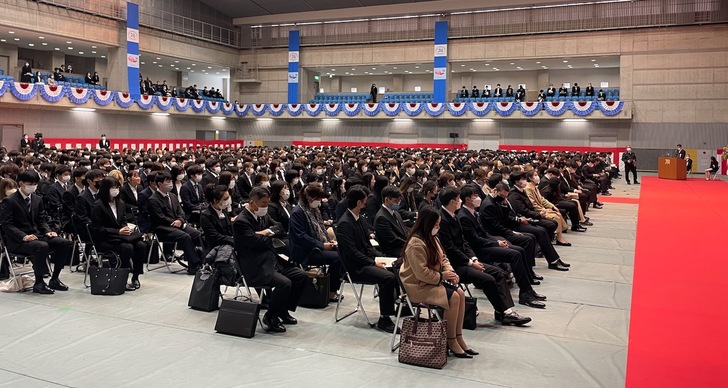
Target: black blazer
(355, 249)
(474, 234)
(160, 212)
(17, 221)
(82, 212)
(255, 252)
(53, 200)
(69, 202)
(453, 241)
(127, 195)
(522, 204)
(275, 211)
(217, 231)
(391, 232)
(208, 178)
(106, 226)
(244, 185)
(104, 144)
(496, 219)
(145, 225)
(190, 200)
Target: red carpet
(625, 200)
(678, 333)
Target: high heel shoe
(468, 351)
(457, 355)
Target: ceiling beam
(403, 9)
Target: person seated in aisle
(245, 181)
(601, 96)
(492, 249)
(563, 92)
(389, 227)
(58, 75)
(713, 169)
(589, 91)
(552, 193)
(428, 277)
(358, 256)
(216, 222)
(541, 204)
(475, 93)
(253, 233)
(509, 91)
(310, 244)
(168, 222)
(26, 232)
(498, 91)
(575, 90)
(576, 188)
(110, 223)
(192, 194)
(463, 92)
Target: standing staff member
(630, 165)
(104, 143)
(373, 92)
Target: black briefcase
(471, 313)
(238, 317)
(316, 291)
(109, 281)
(152, 246)
(205, 292)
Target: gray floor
(150, 338)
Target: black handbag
(205, 292)
(316, 291)
(108, 280)
(471, 313)
(238, 317)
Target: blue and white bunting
(276, 109)
(197, 105)
(313, 109)
(611, 108)
(145, 101)
(242, 109)
(457, 108)
(23, 91)
(351, 109)
(227, 108)
(294, 109)
(583, 108)
(530, 108)
(181, 104)
(371, 109)
(391, 108)
(413, 109)
(124, 100)
(213, 107)
(103, 97)
(332, 109)
(80, 96)
(480, 108)
(52, 93)
(556, 108)
(434, 109)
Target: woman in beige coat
(542, 204)
(429, 278)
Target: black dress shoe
(558, 267)
(289, 320)
(538, 296)
(130, 287)
(513, 318)
(386, 324)
(42, 288)
(636, 183)
(567, 265)
(606, 193)
(600, 203)
(587, 223)
(460, 355)
(563, 244)
(628, 183)
(535, 283)
(530, 301)
(136, 284)
(536, 276)
(598, 206)
(587, 219)
(57, 284)
(578, 229)
(471, 352)
(273, 324)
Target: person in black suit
(104, 143)
(509, 91)
(145, 226)
(68, 199)
(575, 90)
(486, 92)
(463, 92)
(498, 91)
(373, 93)
(630, 165)
(215, 221)
(523, 206)
(253, 233)
(563, 92)
(26, 73)
(192, 194)
(109, 219)
(26, 232)
(475, 93)
(53, 199)
(212, 173)
(130, 190)
(520, 94)
(84, 202)
(24, 143)
(551, 91)
(601, 96)
(589, 92)
(309, 242)
(359, 255)
(279, 209)
(168, 222)
(491, 279)
(589, 171)
(245, 181)
(680, 152)
(388, 224)
(493, 249)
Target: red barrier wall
(140, 143)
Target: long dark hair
(426, 219)
(105, 188)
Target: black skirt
(449, 289)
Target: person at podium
(680, 152)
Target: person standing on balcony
(373, 93)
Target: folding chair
(404, 298)
(13, 258)
(164, 257)
(714, 175)
(357, 295)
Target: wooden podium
(671, 168)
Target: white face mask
(65, 178)
(476, 202)
(168, 187)
(10, 192)
(30, 189)
(217, 169)
(72, 163)
(198, 178)
(231, 185)
(180, 178)
(265, 184)
(411, 171)
(364, 169)
(262, 211)
(434, 231)
(114, 193)
(536, 179)
(315, 204)
(285, 194)
(226, 203)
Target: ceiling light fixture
(162, 114)
(218, 118)
(265, 119)
(41, 37)
(16, 39)
(575, 120)
(83, 110)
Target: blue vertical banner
(132, 49)
(439, 89)
(294, 42)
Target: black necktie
(197, 191)
(27, 201)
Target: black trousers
(186, 238)
(630, 167)
(39, 249)
(493, 283)
(515, 256)
(542, 238)
(549, 225)
(387, 282)
(572, 209)
(593, 190)
(288, 282)
(527, 242)
(332, 259)
(132, 255)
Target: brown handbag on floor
(423, 342)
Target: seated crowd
(519, 95)
(480, 218)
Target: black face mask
(498, 199)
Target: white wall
(584, 76)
